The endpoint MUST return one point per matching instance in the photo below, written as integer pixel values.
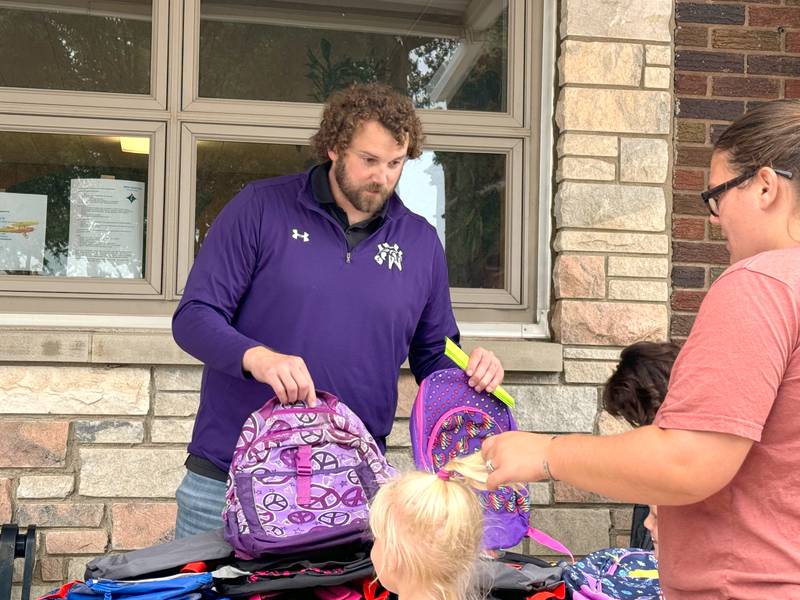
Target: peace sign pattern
(265, 462)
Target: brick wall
(728, 56)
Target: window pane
(441, 54)
(77, 47)
(72, 205)
(223, 168)
(462, 194)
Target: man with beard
(320, 280)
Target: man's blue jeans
(200, 504)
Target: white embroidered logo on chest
(391, 255)
(296, 235)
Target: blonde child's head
(428, 529)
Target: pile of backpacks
(296, 515)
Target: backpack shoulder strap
(540, 537)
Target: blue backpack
(614, 574)
(193, 586)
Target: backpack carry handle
(327, 403)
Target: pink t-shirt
(739, 373)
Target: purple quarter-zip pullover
(274, 270)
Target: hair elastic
(444, 475)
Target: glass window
(443, 55)
(76, 46)
(73, 205)
(224, 168)
(462, 194)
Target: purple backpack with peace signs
(301, 479)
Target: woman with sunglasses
(722, 459)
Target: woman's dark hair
(347, 109)
(638, 386)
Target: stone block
(659, 78)
(604, 241)
(605, 63)
(610, 425)
(658, 55)
(6, 506)
(171, 431)
(579, 276)
(133, 473)
(620, 540)
(564, 493)
(400, 458)
(399, 437)
(649, 291)
(126, 348)
(51, 346)
(637, 266)
(614, 110)
(406, 393)
(621, 518)
(582, 530)
(554, 408)
(33, 444)
(609, 323)
(574, 167)
(74, 391)
(60, 515)
(86, 541)
(592, 353)
(45, 486)
(535, 378)
(176, 404)
(37, 591)
(178, 379)
(644, 160)
(578, 371)
(76, 567)
(540, 493)
(580, 144)
(111, 431)
(142, 524)
(622, 19)
(610, 206)
(52, 569)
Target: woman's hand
(515, 457)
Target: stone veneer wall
(728, 57)
(614, 118)
(93, 424)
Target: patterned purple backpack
(450, 419)
(301, 479)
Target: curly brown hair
(347, 109)
(638, 386)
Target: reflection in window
(462, 194)
(443, 56)
(71, 205)
(224, 168)
(76, 47)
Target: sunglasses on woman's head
(713, 196)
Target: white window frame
(13, 99)
(151, 283)
(175, 117)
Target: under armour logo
(296, 235)
(391, 255)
